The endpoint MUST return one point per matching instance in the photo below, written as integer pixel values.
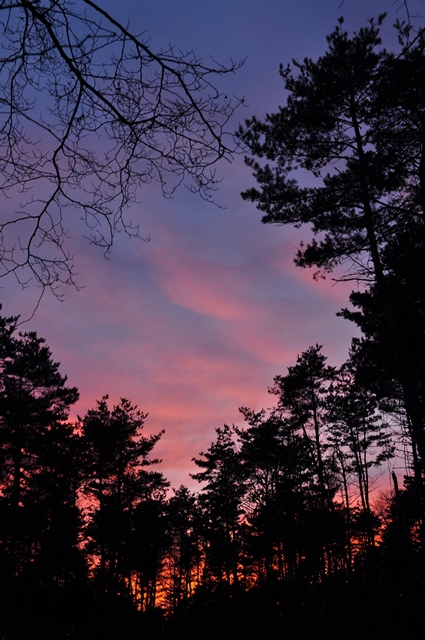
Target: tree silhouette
(221, 503)
(120, 487)
(354, 119)
(89, 113)
(360, 437)
(303, 392)
(39, 475)
(278, 467)
(183, 557)
(375, 362)
(33, 399)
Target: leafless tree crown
(88, 113)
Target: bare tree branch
(88, 114)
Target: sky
(197, 322)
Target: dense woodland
(309, 519)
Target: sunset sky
(197, 322)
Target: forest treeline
(309, 519)
(287, 532)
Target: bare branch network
(88, 114)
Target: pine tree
(40, 521)
(355, 121)
(221, 503)
(119, 488)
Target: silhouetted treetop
(353, 119)
(354, 122)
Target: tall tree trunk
(409, 389)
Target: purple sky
(198, 321)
